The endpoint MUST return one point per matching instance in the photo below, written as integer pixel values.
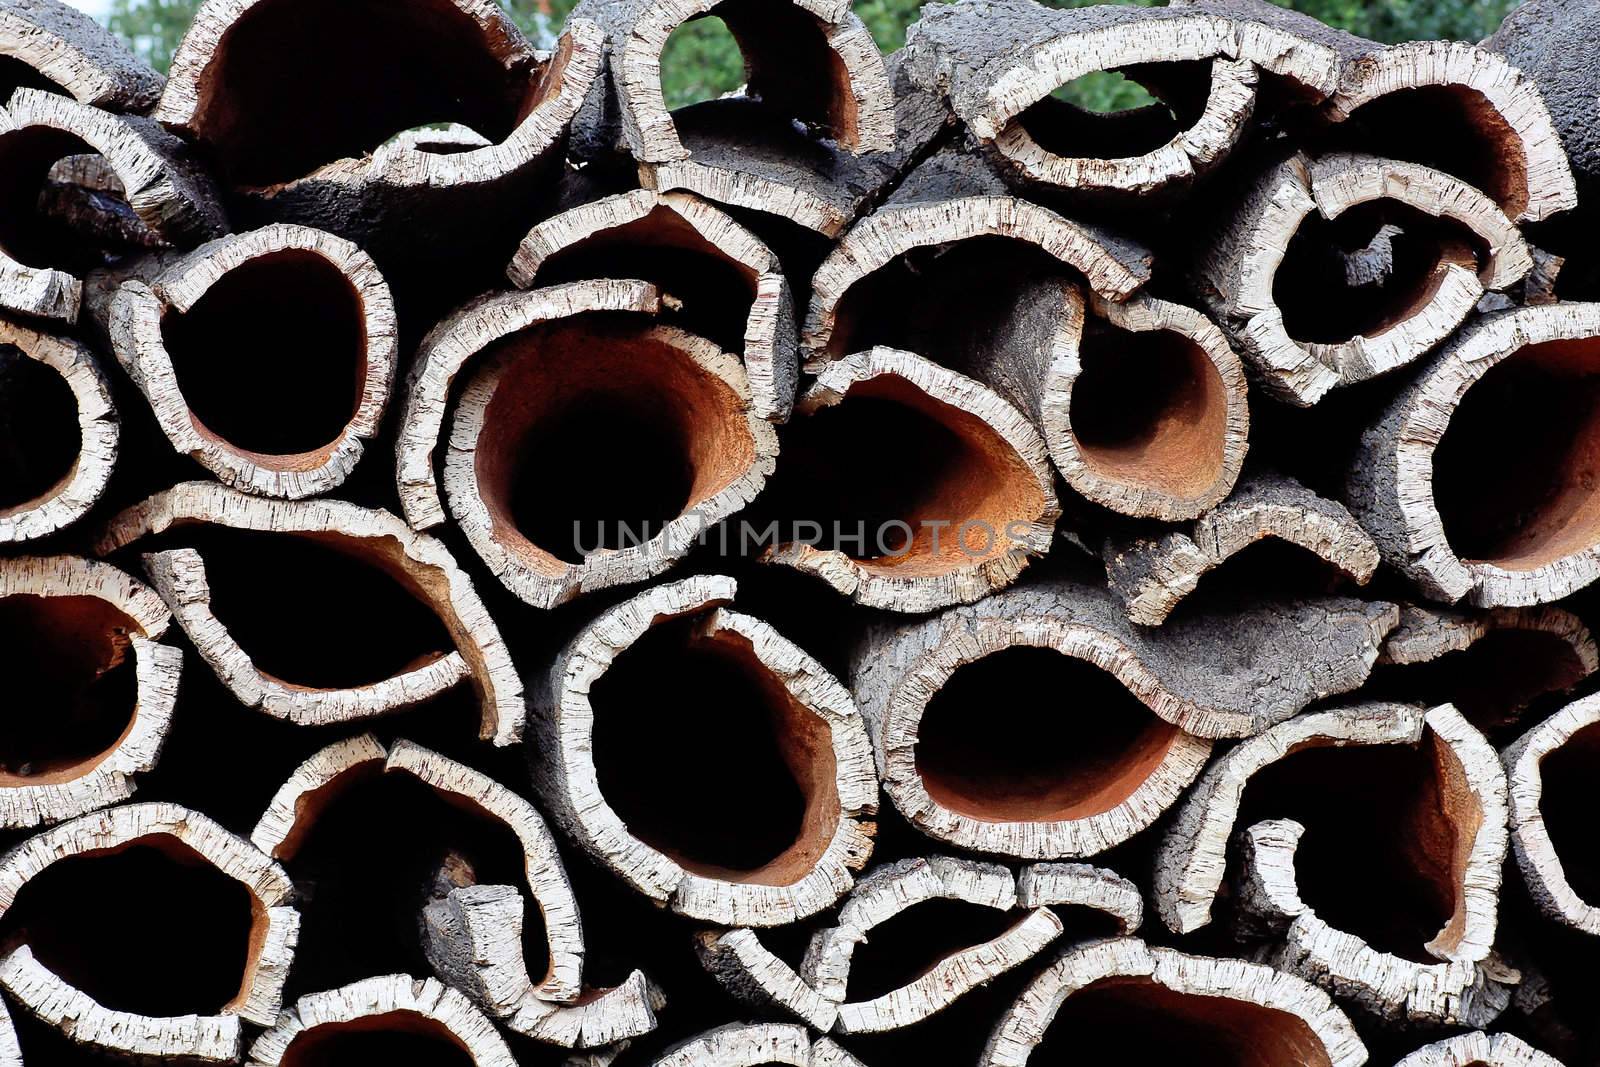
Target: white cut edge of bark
(473, 941)
(99, 433)
(770, 344)
(601, 1018)
(277, 927)
(283, 825)
(386, 995)
(1033, 73)
(757, 1045)
(1192, 858)
(1190, 153)
(1025, 1024)
(179, 575)
(649, 127)
(10, 1048)
(896, 742)
(1174, 565)
(109, 777)
(542, 864)
(572, 788)
(1427, 633)
(1081, 885)
(750, 191)
(454, 342)
(63, 53)
(477, 637)
(1479, 1049)
(878, 585)
(1536, 854)
(1240, 268)
(135, 327)
(1447, 993)
(1550, 186)
(1423, 552)
(753, 974)
(538, 577)
(895, 229)
(1141, 314)
(403, 162)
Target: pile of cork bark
(886, 567)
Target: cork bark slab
(1479, 1049)
(681, 221)
(999, 62)
(757, 1045)
(1152, 576)
(99, 436)
(1535, 553)
(892, 890)
(997, 497)
(755, 976)
(1079, 885)
(418, 562)
(141, 311)
(1239, 275)
(170, 199)
(185, 833)
(1288, 1020)
(395, 1003)
(730, 447)
(1541, 865)
(457, 341)
(69, 49)
(131, 613)
(600, 1019)
(836, 836)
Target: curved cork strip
(1536, 853)
(1255, 1010)
(1479, 1049)
(69, 49)
(130, 616)
(1001, 492)
(1079, 885)
(830, 745)
(99, 436)
(730, 448)
(1153, 576)
(418, 562)
(599, 1018)
(455, 342)
(314, 784)
(139, 328)
(1239, 273)
(1513, 554)
(184, 834)
(755, 976)
(889, 891)
(597, 234)
(394, 1003)
(757, 1045)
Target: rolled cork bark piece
(455, 342)
(165, 326)
(1079, 885)
(314, 784)
(99, 433)
(816, 727)
(681, 239)
(889, 891)
(995, 494)
(601, 1018)
(416, 561)
(1479, 1049)
(1065, 811)
(1301, 352)
(1570, 733)
(146, 171)
(1521, 530)
(1233, 1008)
(757, 1045)
(90, 615)
(1152, 576)
(999, 62)
(370, 74)
(753, 975)
(55, 46)
(516, 413)
(394, 1003)
(187, 836)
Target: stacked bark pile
(884, 567)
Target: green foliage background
(702, 60)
